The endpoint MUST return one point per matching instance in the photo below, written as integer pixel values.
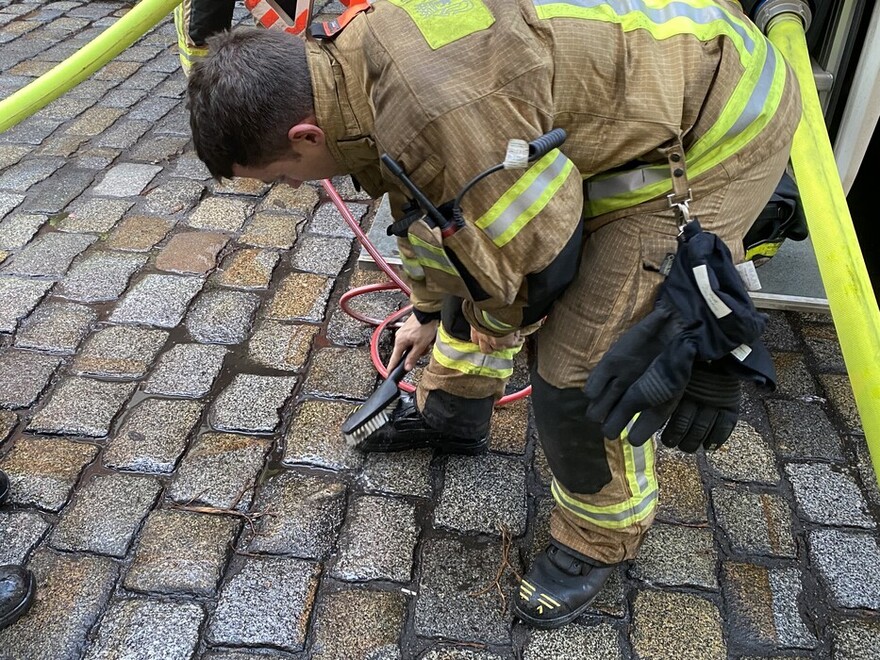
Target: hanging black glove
(708, 410)
(703, 313)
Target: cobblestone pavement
(174, 367)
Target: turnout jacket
(442, 85)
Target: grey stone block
(186, 370)
(267, 603)
(18, 296)
(21, 177)
(153, 436)
(481, 494)
(105, 514)
(746, 457)
(341, 372)
(147, 630)
(251, 404)
(304, 515)
(100, 276)
(682, 497)
(181, 552)
(827, 495)
(281, 346)
(19, 228)
(653, 637)
(57, 327)
(96, 216)
(219, 471)
(55, 194)
(358, 624)
(127, 179)
(119, 351)
(157, 300)
(321, 254)
(377, 541)
(672, 555)
(23, 376)
(20, 531)
(173, 196)
(574, 641)
(855, 639)
(755, 523)
(220, 213)
(802, 430)
(9, 201)
(81, 406)
(401, 473)
(49, 255)
(222, 317)
(849, 564)
(327, 220)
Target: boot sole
(22, 608)
(462, 450)
(546, 624)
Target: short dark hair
(244, 96)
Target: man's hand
(490, 344)
(414, 336)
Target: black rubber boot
(407, 429)
(17, 587)
(559, 587)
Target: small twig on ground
(503, 565)
(251, 518)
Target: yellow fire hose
(841, 265)
(84, 62)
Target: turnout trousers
(605, 490)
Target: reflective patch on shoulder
(443, 21)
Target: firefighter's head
(252, 111)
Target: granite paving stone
(23, 376)
(18, 229)
(62, 145)
(138, 233)
(30, 131)
(100, 276)
(746, 457)
(94, 121)
(839, 392)
(153, 436)
(71, 592)
(56, 327)
(313, 437)
(220, 213)
(272, 230)
(105, 514)
(300, 297)
(509, 430)
(824, 347)
(55, 194)
(219, 471)
(181, 552)
(762, 608)
(158, 149)
(173, 196)
(755, 523)
(251, 403)
(95, 216)
(153, 108)
(321, 254)
(221, 316)
(81, 406)
(157, 300)
(119, 97)
(306, 511)
(574, 642)
(793, 378)
(675, 555)
(248, 269)
(358, 624)
(188, 165)
(377, 541)
(123, 135)
(300, 200)
(827, 495)
(43, 471)
(855, 639)
(802, 430)
(653, 637)
(19, 178)
(483, 494)
(452, 602)
(9, 201)
(444, 652)
(191, 252)
(400, 473)
(49, 255)
(281, 346)
(341, 372)
(346, 330)
(8, 422)
(682, 497)
(119, 351)
(91, 157)
(10, 154)
(186, 370)
(849, 564)
(18, 296)
(20, 531)
(327, 220)
(175, 122)
(240, 186)
(126, 179)
(267, 603)
(865, 468)
(136, 629)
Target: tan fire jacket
(443, 85)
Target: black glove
(644, 372)
(708, 410)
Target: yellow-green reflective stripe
(466, 357)
(431, 256)
(443, 21)
(495, 324)
(525, 198)
(627, 513)
(412, 267)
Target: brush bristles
(373, 424)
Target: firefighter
(669, 109)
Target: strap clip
(327, 30)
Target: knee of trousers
(574, 447)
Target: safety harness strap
(327, 30)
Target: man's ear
(306, 134)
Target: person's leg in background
(196, 20)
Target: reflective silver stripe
(641, 506)
(625, 182)
(526, 198)
(412, 268)
(639, 467)
(660, 15)
(757, 101)
(476, 358)
(432, 259)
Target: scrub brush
(375, 412)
